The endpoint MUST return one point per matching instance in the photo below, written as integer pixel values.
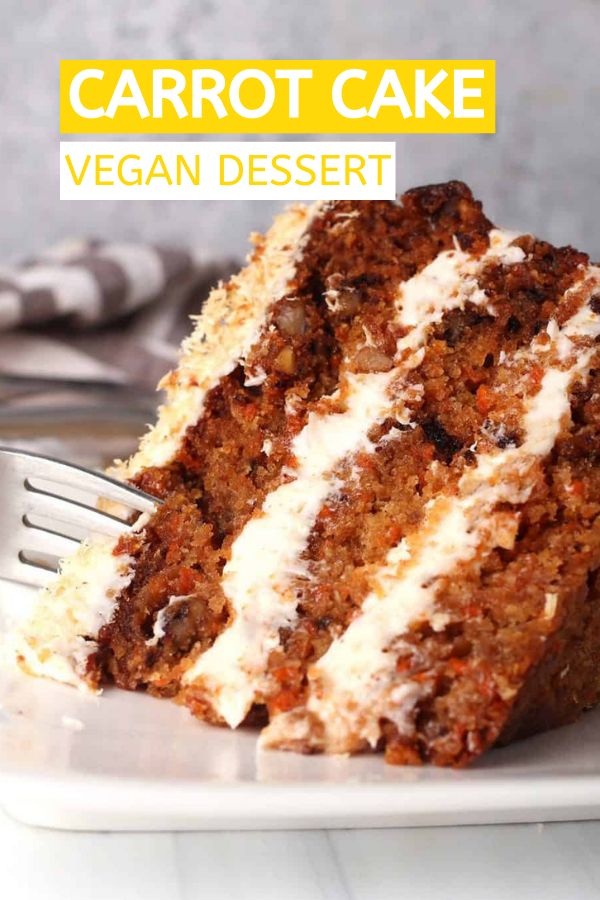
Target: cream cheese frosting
(61, 634)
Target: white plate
(127, 761)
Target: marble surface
(552, 862)
(539, 172)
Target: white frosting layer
(266, 556)
(58, 639)
(355, 684)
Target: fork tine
(33, 465)
(41, 526)
(25, 572)
(45, 505)
(44, 540)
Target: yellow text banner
(277, 96)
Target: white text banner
(227, 170)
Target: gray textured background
(539, 172)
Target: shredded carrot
(428, 452)
(187, 580)
(285, 673)
(403, 664)
(284, 701)
(457, 665)
(366, 461)
(483, 399)
(249, 411)
(394, 533)
(536, 374)
(326, 513)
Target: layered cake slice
(378, 461)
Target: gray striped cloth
(90, 283)
(86, 332)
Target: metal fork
(30, 551)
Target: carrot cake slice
(379, 467)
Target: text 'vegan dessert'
(381, 522)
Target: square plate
(130, 762)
